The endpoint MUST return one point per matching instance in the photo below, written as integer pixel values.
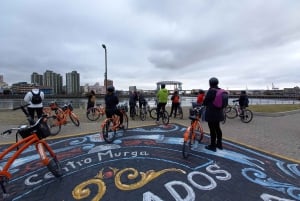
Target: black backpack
(36, 98)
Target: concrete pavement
(278, 134)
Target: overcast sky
(244, 43)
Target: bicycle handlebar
(9, 131)
(21, 107)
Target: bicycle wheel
(225, 116)
(93, 114)
(125, 121)
(107, 131)
(186, 149)
(224, 120)
(231, 112)
(165, 117)
(153, 113)
(247, 117)
(54, 167)
(199, 132)
(132, 113)
(74, 119)
(143, 114)
(180, 113)
(53, 125)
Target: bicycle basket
(123, 107)
(196, 112)
(53, 105)
(25, 131)
(70, 107)
(43, 130)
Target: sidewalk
(277, 134)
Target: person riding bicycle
(111, 102)
(175, 103)
(243, 101)
(162, 99)
(91, 100)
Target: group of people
(134, 98)
(213, 115)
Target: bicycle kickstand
(5, 194)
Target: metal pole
(105, 75)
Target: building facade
(37, 79)
(53, 80)
(73, 83)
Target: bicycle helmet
(213, 82)
(110, 88)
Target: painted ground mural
(146, 164)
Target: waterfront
(185, 101)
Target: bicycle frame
(40, 146)
(33, 134)
(62, 115)
(190, 131)
(115, 119)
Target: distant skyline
(245, 44)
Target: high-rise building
(54, 80)
(73, 83)
(37, 79)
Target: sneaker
(157, 122)
(210, 147)
(121, 126)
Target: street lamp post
(105, 74)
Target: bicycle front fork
(40, 147)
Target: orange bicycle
(110, 125)
(60, 117)
(95, 113)
(31, 135)
(193, 132)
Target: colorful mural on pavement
(146, 164)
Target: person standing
(200, 97)
(142, 100)
(91, 100)
(213, 116)
(111, 102)
(162, 99)
(133, 98)
(175, 103)
(35, 99)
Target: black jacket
(212, 114)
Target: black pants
(109, 113)
(160, 106)
(32, 110)
(132, 109)
(215, 134)
(174, 108)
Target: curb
(276, 114)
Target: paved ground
(260, 161)
(276, 134)
(146, 163)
